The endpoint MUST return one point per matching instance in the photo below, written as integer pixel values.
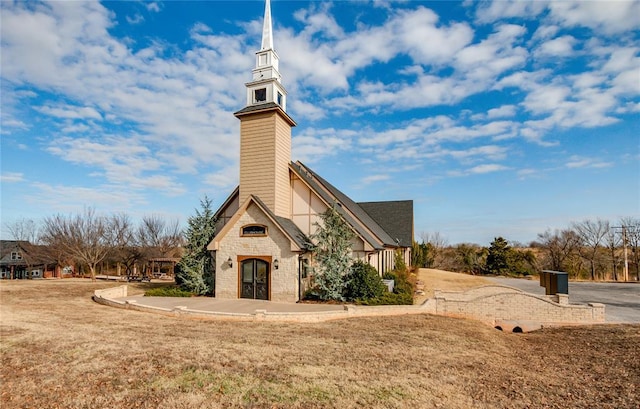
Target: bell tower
(265, 130)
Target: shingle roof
(287, 225)
(395, 217)
(31, 254)
(267, 106)
(357, 217)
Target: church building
(262, 248)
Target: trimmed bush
(168, 292)
(389, 299)
(363, 282)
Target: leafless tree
(613, 242)
(159, 236)
(24, 230)
(592, 236)
(83, 236)
(558, 246)
(436, 243)
(125, 248)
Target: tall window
(279, 98)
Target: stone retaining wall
(498, 306)
(114, 292)
(500, 303)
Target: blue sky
(496, 118)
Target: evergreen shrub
(170, 291)
(363, 282)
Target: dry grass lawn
(434, 279)
(59, 349)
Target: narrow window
(279, 98)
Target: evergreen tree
(498, 257)
(195, 271)
(332, 253)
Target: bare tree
(24, 230)
(592, 235)
(84, 237)
(436, 243)
(125, 248)
(159, 238)
(559, 246)
(613, 241)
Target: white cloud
(487, 168)
(64, 199)
(557, 47)
(505, 111)
(11, 177)
(607, 17)
(153, 6)
(137, 19)
(374, 178)
(315, 144)
(576, 162)
(503, 9)
(70, 112)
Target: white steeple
(266, 85)
(267, 32)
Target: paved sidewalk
(239, 306)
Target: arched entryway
(254, 279)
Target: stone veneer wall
(284, 280)
(494, 303)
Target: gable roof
(395, 217)
(366, 226)
(381, 224)
(286, 226)
(30, 254)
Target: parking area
(622, 300)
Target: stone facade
(275, 245)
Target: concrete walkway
(239, 306)
(244, 310)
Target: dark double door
(255, 279)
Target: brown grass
(434, 279)
(61, 350)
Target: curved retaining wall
(493, 303)
(111, 297)
(499, 306)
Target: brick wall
(494, 303)
(284, 280)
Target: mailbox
(554, 282)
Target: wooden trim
(240, 259)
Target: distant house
(262, 248)
(22, 260)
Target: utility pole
(624, 246)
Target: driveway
(622, 300)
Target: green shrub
(389, 299)
(171, 291)
(363, 282)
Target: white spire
(267, 32)
(266, 86)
